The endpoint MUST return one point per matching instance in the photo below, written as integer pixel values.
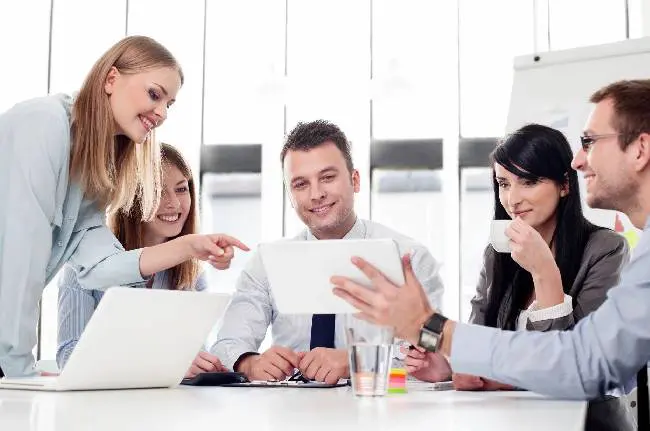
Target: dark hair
(631, 107)
(307, 136)
(536, 152)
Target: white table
(210, 408)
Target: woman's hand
(528, 248)
(217, 249)
(204, 362)
(532, 253)
(426, 366)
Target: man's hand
(325, 365)
(405, 308)
(204, 363)
(493, 385)
(466, 382)
(277, 363)
(426, 366)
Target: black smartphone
(215, 379)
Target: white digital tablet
(299, 272)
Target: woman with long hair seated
(560, 266)
(177, 215)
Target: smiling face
(322, 189)
(139, 102)
(175, 205)
(535, 202)
(607, 168)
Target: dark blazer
(606, 252)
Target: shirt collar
(358, 231)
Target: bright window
(24, 33)
(411, 41)
(74, 51)
(491, 34)
(179, 29)
(575, 23)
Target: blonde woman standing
(64, 163)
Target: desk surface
(187, 408)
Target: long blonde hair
(128, 227)
(112, 171)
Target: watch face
(429, 340)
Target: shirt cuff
(472, 349)
(241, 358)
(229, 354)
(18, 366)
(120, 269)
(565, 308)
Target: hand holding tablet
(299, 272)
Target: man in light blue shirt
(606, 348)
(321, 182)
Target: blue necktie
(322, 331)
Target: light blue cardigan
(45, 222)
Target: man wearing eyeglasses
(606, 348)
(321, 181)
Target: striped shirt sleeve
(76, 306)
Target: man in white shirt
(321, 181)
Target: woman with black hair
(560, 266)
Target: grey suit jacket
(606, 252)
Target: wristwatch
(431, 332)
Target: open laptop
(299, 272)
(137, 338)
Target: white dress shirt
(252, 309)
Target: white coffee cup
(500, 242)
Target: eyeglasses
(588, 140)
